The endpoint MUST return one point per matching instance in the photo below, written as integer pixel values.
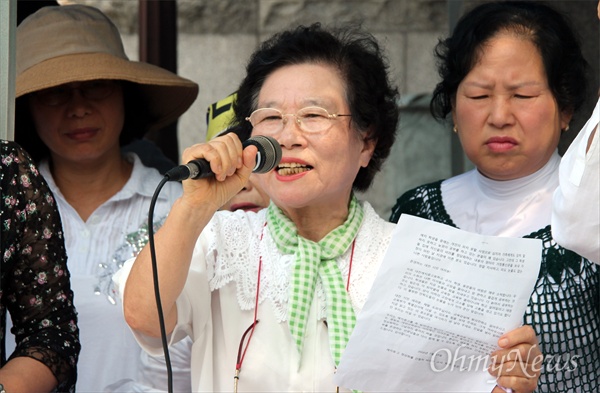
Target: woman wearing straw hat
(79, 99)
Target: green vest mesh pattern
(566, 314)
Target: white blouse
(96, 248)
(510, 208)
(576, 208)
(217, 306)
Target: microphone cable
(161, 318)
(270, 153)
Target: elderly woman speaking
(294, 275)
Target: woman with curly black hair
(270, 297)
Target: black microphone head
(269, 152)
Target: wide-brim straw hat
(76, 43)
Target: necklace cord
(242, 352)
(243, 348)
(350, 266)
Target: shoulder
(21, 175)
(10, 147)
(372, 242)
(373, 222)
(145, 180)
(16, 159)
(414, 200)
(375, 233)
(422, 190)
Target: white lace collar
(241, 265)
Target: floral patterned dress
(34, 286)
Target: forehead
(303, 85)
(506, 52)
(508, 38)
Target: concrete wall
(217, 36)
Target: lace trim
(233, 257)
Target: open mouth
(246, 207)
(292, 168)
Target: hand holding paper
(441, 300)
(518, 361)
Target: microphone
(269, 155)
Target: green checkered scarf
(318, 259)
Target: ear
(367, 151)
(565, 118)
(453, 113)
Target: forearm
(174, 245)
(175, 241)
(24, 374)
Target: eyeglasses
(243, 347)
(242, 353)
(311, 119)
(93, 90)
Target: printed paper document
(438, 305)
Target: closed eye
(272, 118)
(313, 116)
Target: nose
(248, 187)
(78, 105)
(501, 112)
(290, 135)
(286, 116)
